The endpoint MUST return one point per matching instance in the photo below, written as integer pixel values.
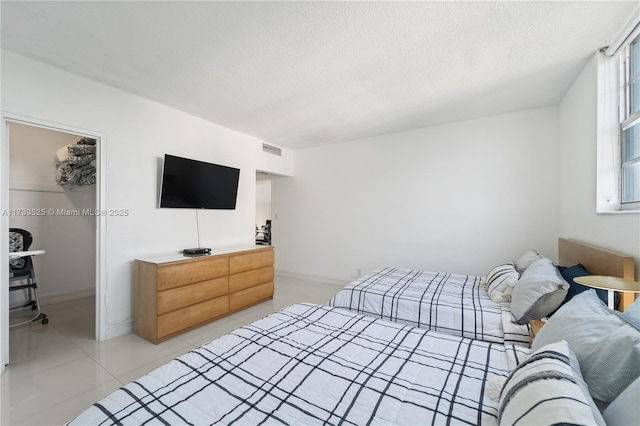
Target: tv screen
(195, 184)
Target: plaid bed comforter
(449, 303)
(313, 364)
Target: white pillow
(625, 409)
(538, 292)
(548, 389)
(633, 312)
(606, 344)
(500, 282)
(526, 260)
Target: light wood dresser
(174, 294)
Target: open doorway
(263, 209)
(62, 219)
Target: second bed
(458, 304)
(448, 303)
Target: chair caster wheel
(45, 320)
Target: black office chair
(22, 276)
(266, 234)
(267, 228)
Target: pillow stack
(501, 279)
(533, 285)
(500, 282)
(605, 342)
(527, 259)
(538, 292)
(586, 359)
(548, 388)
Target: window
(618, 122)
(630, 126)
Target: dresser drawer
(179, 297)
(248, 279)
(179, 274)
(190, 316)
(249, 296)
(246, 261)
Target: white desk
(19, 254)
(31, 286)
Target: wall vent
(271, 149)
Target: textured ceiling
(300, 74)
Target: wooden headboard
(598, 261)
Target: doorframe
(101, 222)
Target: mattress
(448, 303)
(314, 364)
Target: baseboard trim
(65, 297)
(306, 277)
(119, 329)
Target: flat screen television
(194, 184)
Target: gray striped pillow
(500, 282)
(547, 389)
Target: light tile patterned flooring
(58, 370)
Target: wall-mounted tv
(194, 184)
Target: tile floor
(58, 370)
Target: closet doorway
(63, 218)
(264, 233)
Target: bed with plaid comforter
(314, 364)
(448, 303)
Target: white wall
(67, 270)
(137, 133)
(578, 218)
(460, 198)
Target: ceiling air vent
(271, 149)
